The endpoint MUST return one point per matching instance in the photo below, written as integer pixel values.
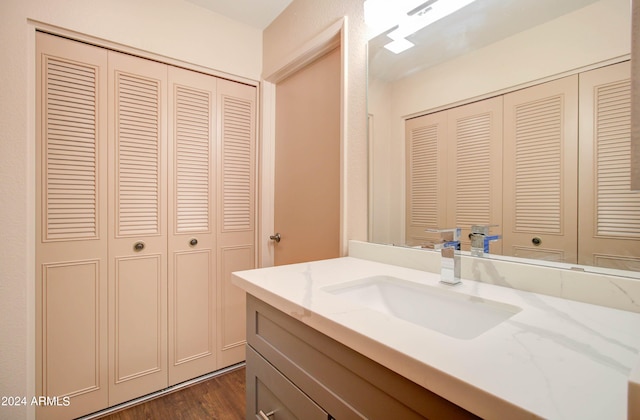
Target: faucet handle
(453, 233)
(450, 237)
(481, 229)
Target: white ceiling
(475, 26)
(256, 13)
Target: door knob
(275, 237)
(266, 416)
(193, 242)
(138, 246)
(536, 241)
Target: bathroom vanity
(302, 373)
(344, 338)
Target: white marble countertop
(555, 359)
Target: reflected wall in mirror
(494, 50)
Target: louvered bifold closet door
(540, 171)
(138, 228)
(609, 215)
(426, 177)
(236, 177)
(192, 249)
(71, 227)
(475, 168)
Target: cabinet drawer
(269, 392)
(341, 381)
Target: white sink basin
(452, 313)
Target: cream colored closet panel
(540, 171)
(137, 232)
(236, 150)
(609, 212)
(426, 176)
(71, 227)
(475, 168)
(192, 245)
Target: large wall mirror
(494, 50)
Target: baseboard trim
(161, 393)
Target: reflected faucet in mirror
(480, 239)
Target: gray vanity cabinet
(294, 371)
(273, 395)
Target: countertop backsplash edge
(611, 291)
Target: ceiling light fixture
(408, 16)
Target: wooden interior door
(609, 212)
(192, 224)
(138, 228)
(71, 226)
(540, 171)
(307, 162)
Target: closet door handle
(193, 242)
(138, 246)
(536, 241)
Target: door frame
(332, 37)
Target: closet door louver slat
(138, 154)
(540, 171)
(237, 151)
(618, 208)
(473, 172)
(70, 148)
(426, 177)
(193, 143)
(538, 157)
(609, 215)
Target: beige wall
(172, 28)
(599, 32)
(299, 24)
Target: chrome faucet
(480, 239)
(450, 251)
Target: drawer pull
(267, 416)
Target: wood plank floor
(219, 398)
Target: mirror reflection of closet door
(474, 174)
(609, 217)
(454, 172)
(540, 171)
(426, 177)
